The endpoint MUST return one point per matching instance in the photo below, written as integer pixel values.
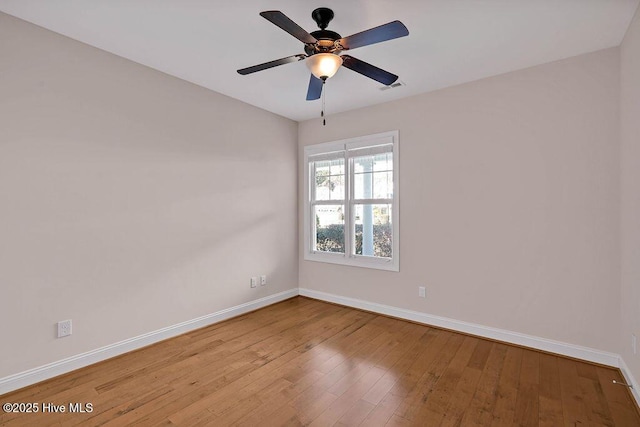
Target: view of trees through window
(331, 239)
(372, 181)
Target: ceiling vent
(393, 85)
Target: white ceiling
(450, 41)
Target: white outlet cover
(64, 328)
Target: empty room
(375, 213)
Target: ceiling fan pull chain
(324, 91)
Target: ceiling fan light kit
(324, 65)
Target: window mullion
(373, 201)
(329, 202)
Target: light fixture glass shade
(324, 65)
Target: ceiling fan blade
(368, 70)
(271, 64)
(389, 31)
(315, 88)
(281, 20)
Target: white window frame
(345, 146)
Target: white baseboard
(511, 337)
(32, 376)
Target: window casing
(351, 202)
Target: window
(351, 202)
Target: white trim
(50, 370)
(626, 373)
(355, 142)
(370, 150)
(571, 350)
(323, 156)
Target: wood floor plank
(550, 398)
(414, 363)
(250, 403)
(276, 401)
(438, 401)
(285, 416)
(573, 403)
(356, 414)
(424, 391)
(305, 362)
(398, 421)
(527, 406)
(594, 399)
(463, 393)
(310, 405)
(348, 399)
(504, 409)
(480, 410)
(383, 411)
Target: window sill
(353, 261)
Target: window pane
(329, 228)
(337, 167)
(373, 231)
(329, 179)
(382, 185)
(336, 187)
(373, 176)
(383, 162)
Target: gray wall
(509, 202)
(129, 200)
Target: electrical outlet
(634, 344)
(263, 280)
(64, 328)
(254, 282)
(422, 292)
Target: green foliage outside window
(331, 239)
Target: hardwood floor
(305, 362)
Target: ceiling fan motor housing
(326, 38)
(326, 42)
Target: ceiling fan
(323, 47)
